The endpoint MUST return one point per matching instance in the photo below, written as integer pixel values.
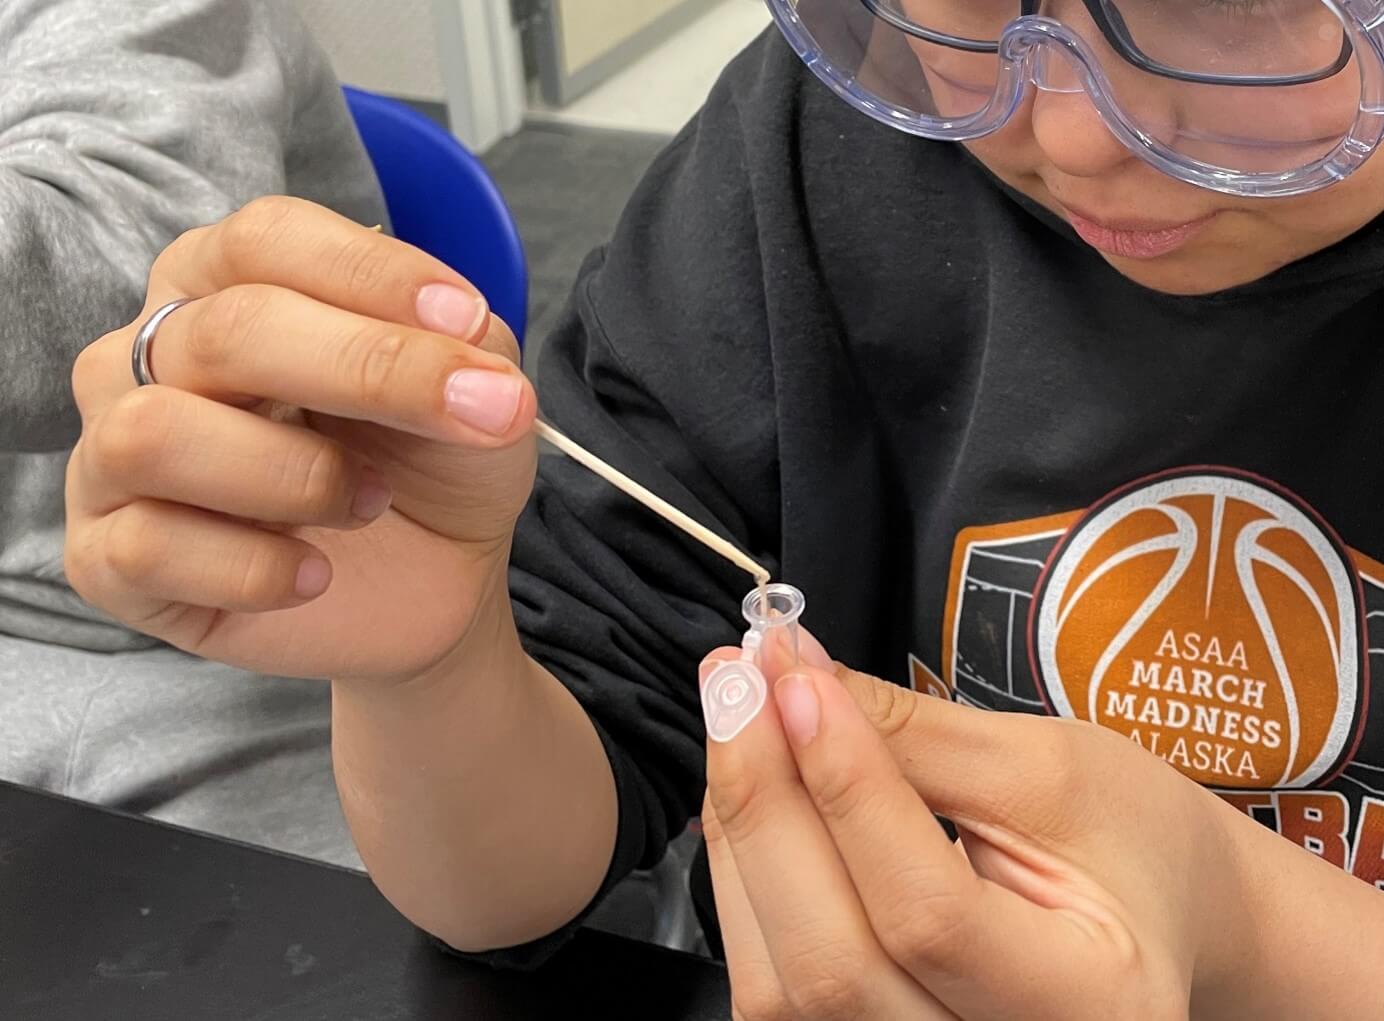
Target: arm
(1318, 945)
(123, 124)
(480, 796)
(495, 798)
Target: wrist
(1231, 958)
(469, 630)
(1305, 940)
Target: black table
(107, 916)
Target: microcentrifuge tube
(736, 691)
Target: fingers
(275, 344)
(815, 929)
(290, 245)
(303, 247)
(977, 763)
(137, 561)
(878, 822)
(971, 752)
(932, 914)
(173, 446)
(970, 770)
(755, 988)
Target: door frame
(480, 57)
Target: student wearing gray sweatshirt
(123, 124)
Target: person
(1057, 402)
(123, 124)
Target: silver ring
(144, 342)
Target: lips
(1132, 240)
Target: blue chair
(441, 200)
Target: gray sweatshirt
(124, 123)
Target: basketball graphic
(1213, 618)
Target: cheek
(1012, 154)
(1325, 217)
(954, 84)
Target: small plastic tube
(735, 692)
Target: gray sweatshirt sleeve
(124, 123)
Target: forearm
(481, 798)
(1318, 948)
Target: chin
(1194, 273)
(1183, 280)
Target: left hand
(1095, 881)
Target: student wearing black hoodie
(1071, 420)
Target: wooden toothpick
(657, 504)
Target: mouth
(1133, 239)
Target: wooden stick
(657, 504)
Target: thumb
(970, 751)
(961, 760)
(883, 703)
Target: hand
(1092, 880)
(326, 480)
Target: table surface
(108, 916)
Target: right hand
(295, 496)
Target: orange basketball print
(1212, 618)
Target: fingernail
(444, 308)
(314, 575)
(798, 708)
(812, 652)
(373, 497)
(486, 400)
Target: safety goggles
(1246, 97)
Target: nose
(1065, 122)
(1072, 135)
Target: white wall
(592, 28)
(386, 46)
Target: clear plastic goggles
(1246, 97)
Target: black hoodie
(997, 468)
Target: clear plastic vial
(735, 692)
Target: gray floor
(566, 187)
